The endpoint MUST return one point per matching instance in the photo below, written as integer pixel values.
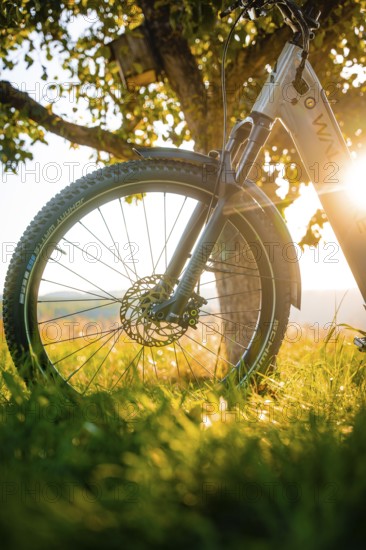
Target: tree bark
(180, 68)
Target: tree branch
(251, 61)
(96, 138)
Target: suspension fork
(187, 241)
(174, 307)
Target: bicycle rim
(83, 299)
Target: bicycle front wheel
(77, 287)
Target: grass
(277, 466)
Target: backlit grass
(279, 464)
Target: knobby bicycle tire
(99, 239)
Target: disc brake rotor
(136, 317)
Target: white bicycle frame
(311, 123)
(308, 118)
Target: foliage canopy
(86, 104)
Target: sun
(356, 181)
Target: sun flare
(356, 181)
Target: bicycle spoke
(79, 337)
(105, 246)
(232, 265)
(216, 280)
(206, 348)
(102, 363)
(76, 312)
(127, 368)
(89, 358)
(165, 239)
(96, 258)
(185, 353)
(232, 294)
(87, 280)
(128, 236)
(188, 363)
(207, 314)
(143, 365)
(171, 231)
(154, 364)
(83, 347)
(115, 245)
(148, 235)
(176, 359)
(218, 355)
(226, 337)
(77, 289)
(72, 300)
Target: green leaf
(29, 60)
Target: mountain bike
(176, 268)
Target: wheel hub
(136, 315)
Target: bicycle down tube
(309, 120)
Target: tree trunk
(238, 286)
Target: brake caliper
(360, 342)
(190, 316)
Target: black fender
(284, 237)
(175, 154)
